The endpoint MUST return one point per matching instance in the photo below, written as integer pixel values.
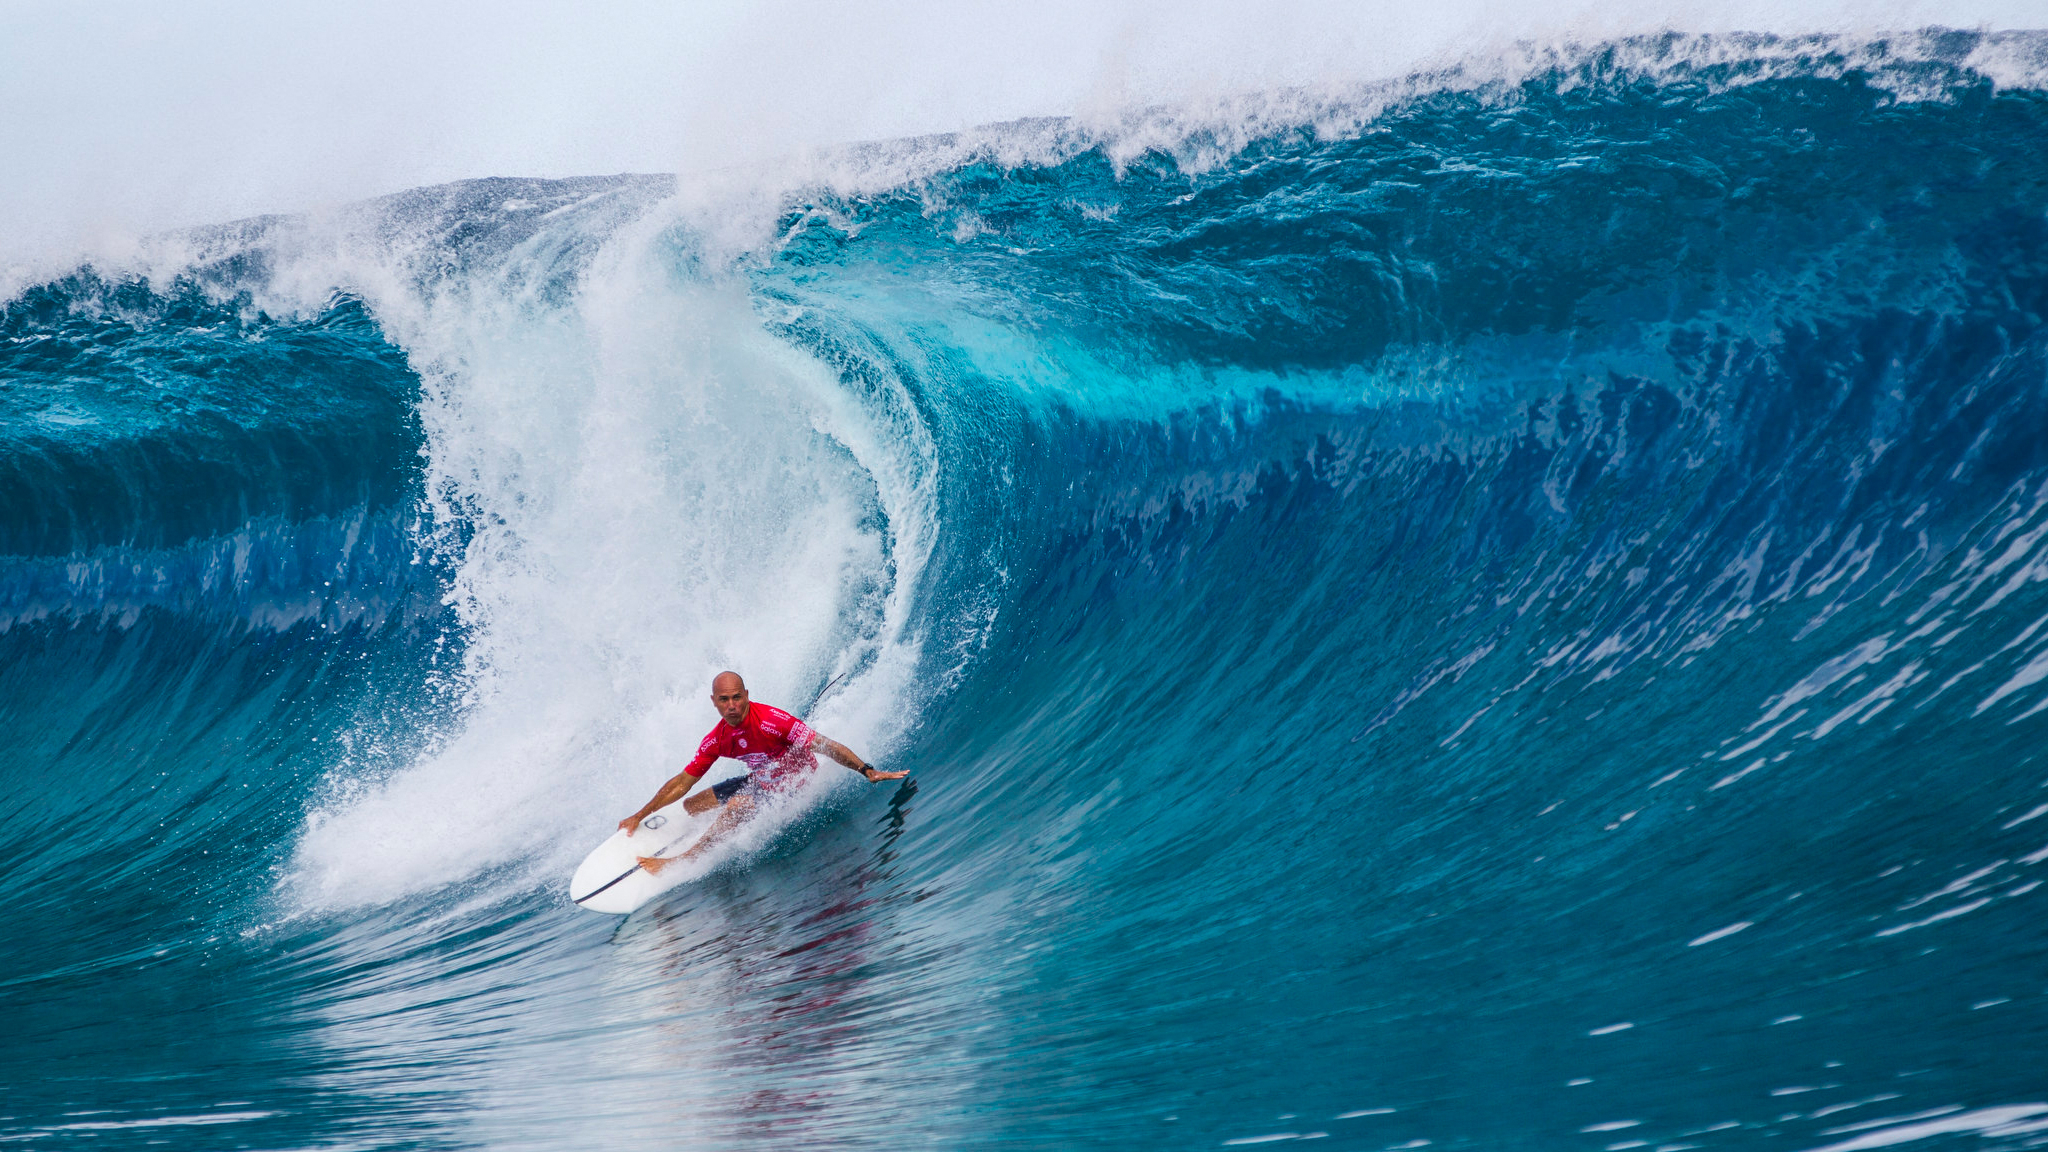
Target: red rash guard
(773, 744)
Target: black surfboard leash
(656, 854)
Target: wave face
(1490, 615)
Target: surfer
(778, 749)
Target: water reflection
(751, 1006)
(786, 981)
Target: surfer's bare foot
(653, 864)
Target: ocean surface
(1507, 610)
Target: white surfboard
(610, 879)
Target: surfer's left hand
(875, 774)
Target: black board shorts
(727, 789)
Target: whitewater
(1497, 608)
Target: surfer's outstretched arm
(845, 755)
(669, 794)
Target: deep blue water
(1511, 620)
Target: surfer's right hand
(630, 825)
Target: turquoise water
(1509, 617)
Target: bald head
(729, 696)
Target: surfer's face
(731, 701)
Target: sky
(128, 118)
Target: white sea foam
(1950, 914)
(1720, 933)
(657, 489)
(2008, 1120)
